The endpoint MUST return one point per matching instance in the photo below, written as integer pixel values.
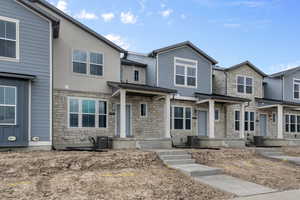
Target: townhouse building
(61, 83)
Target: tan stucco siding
(128, 74)
(72, 37)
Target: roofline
(284, 72)
(211, 96)
(79, 24)
(249, 64)
(128, 62)
(186, 43)
(15, 75)
(276, 101)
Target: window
(237, 120)
(287, 123)
(298, 123)
(9, 42)
(79, 62)
(244, 84)
(87, 63)
(296, 89)
(96, 64)
(273, 118)
(143, 110)
(217, 114)
(87, 113)
(102, 114)
(292, 123)
(181, 118)
(249, 121)
(185, 72)
(136, 75)
(8, 104)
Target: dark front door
(13, 112)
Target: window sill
(86, 128)
(185, 86)
(9, 59)
(87, 76)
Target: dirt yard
(245, 164)
(113, 175)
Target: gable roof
(77, 23)
(284, 72)
(55, 21)
(250, 65)
(186, 43)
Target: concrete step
(171, 152)
(272, 153)
(264, 150)
(234, 185)
(175, 157)
(179, 162)
(196, 170)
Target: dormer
(133, 72)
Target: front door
(202, 123)
(263, 124)
(13, 112)
(128, 120)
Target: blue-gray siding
(166, 71)
(273, 88)
(34, 60)
(289, 85)
(151, 67)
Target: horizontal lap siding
(34, 60)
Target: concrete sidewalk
(287, 195)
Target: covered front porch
(221, 112)
(282, 124)
(142, 116)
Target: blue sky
(266, 32)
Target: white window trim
(88, 64)
(184, 118)
(17, 59)
(185, 72)
(274, 113)
(80, 99)
(219, 111)
(245, 85)
(289, 123)
(294, 82)
(138, 77)
(11, 105)
(254, 116)
(236, 120)
(141, 110)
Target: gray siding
(273, 88)
(166, 71)
(289, 85)
(127, 74)
(151, 66)
(34, 60)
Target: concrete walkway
(181, 160)
(287, 195)
(276, 153)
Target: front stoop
(182, 161)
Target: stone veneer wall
(149, 127)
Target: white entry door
(128, 120)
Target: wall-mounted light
(12, 138)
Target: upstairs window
(185, 72)
(9, 43)
(89, 63)
(297, 89)
(136, 75)
(244, 85)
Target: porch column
(122, 113)
(242, 124)
(211, 118)
(280, 121)
(167, 116)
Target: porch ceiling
(220, 98)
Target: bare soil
(245, 164)
(292, 151)
(133, 175)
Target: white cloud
(108, 16)
(183, 16)
(117, 39)
(231, 25)
(62, 5)
(128, 18)
(142, 4)
(249, 3)
(166, 13)
(86, 15)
